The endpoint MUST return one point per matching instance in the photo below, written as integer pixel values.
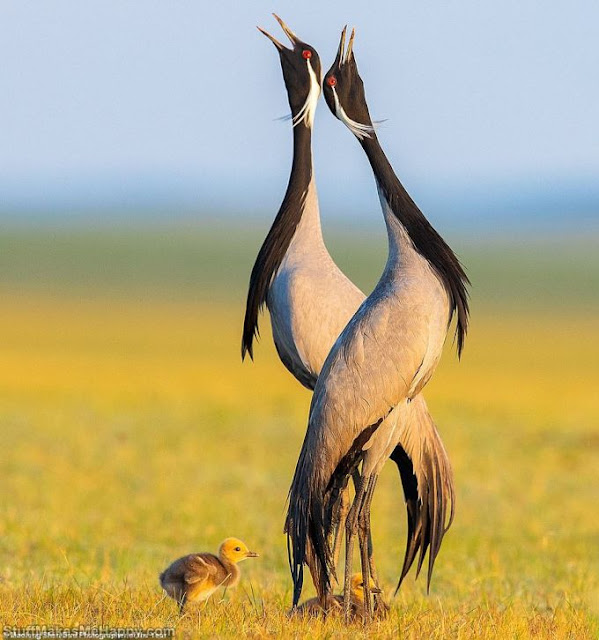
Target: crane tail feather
(427, 481)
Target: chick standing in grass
(334, 604)
(194, 578)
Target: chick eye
(306, 54)
(331, 81)
(237, 548)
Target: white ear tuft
(361, 131)
(306, 113)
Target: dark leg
(380, 606)
(365, 543)
(357, 478)
(343, 511)
(351, 527)
(340, 524)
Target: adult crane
(363, 402)
(309, 298)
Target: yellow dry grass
(132, 434)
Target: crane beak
(277, 44)
(341, 49)
(342, 55)
(350, 46)
(294, 39)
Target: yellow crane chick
(194, 578)
(334, 604)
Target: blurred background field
(132, 433)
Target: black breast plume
(440, 255)
(279, 237)
(423, 236)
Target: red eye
(331, 81)
(306, 54)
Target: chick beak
(375, 590)
(252, 554)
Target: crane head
(344, 91)
(302, 74)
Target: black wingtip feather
(247, 347)
(427, 506)
(304, 526)
(314, 497)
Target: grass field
(132, 433)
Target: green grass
(215, 260)
(133, 434)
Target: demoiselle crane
(370, 382)
(309, 298)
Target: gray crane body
(310, 299)
(367, 402)
(382, 359)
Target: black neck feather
(423, 236)
(280, 235)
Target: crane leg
(343, 511)
(351, 528)
(340, 524)
(365, 541)
(357, 478)
(380, 606)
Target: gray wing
(371, 368)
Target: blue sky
(140, 103)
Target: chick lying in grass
(194, 578)
(334, 604)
